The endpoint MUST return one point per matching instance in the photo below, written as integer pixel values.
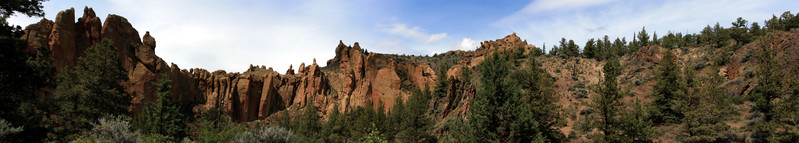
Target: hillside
(355, 78)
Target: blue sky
(231, 35)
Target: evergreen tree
(668, 92)
(333, 129)
(589, 49)
(307, 123)
(90, 90)
(497, 112)
(636, 126)
(415, 124)
(608, 105)
(538, 93)
(22, 75)
(643, 38)
(705, 119)
(655, 40)
(574, 50)
(776, 108)
(442, 81)
(163, 116)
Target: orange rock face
(352, 79)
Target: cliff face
(354, 78)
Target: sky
(231, 35)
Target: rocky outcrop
(87, 30)
(352, 79)
(62, 39)
(37, 35)
(125, 37)
(648, 54)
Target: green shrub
(586, 111)
(115, 130)
(632, 92)
(638, 69)
(579, 85)
(699, 65)
(7, 129)
(271, 134)
(749, 73)
(580, 94)
(722, 58)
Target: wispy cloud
(417, 33)
(550, 5)
(585, 20)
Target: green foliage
(7, 129)
(589, 51)
(22, 75)
(466, 74)
(772, 102)
(90, 90)
(163, 117)
(114, 130)
(270, 134)
(499, 113)
(372, 137)
(668, 92)
(215, 127)
(785, 22)
(607, 106)
(705, 111)
(442, 81)
(307, 123)
(30, 8)
(643, 38)
(636, 126)
(333, 129)
(411, 123)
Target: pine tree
(90, 90)
(589, 49)
(540, 97)
(573, 49)
(607, 105)
(163, 116)
(775, 107)
(636, 126)
(307, 123)
(655, 40)
(22, 75)
(333, 129)
(415, 124)
(497, 113)
(643, 38)
(667, 93)
(705, 118)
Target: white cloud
(548, 5)
(416, 33)
(467, 44)
(624, 18)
